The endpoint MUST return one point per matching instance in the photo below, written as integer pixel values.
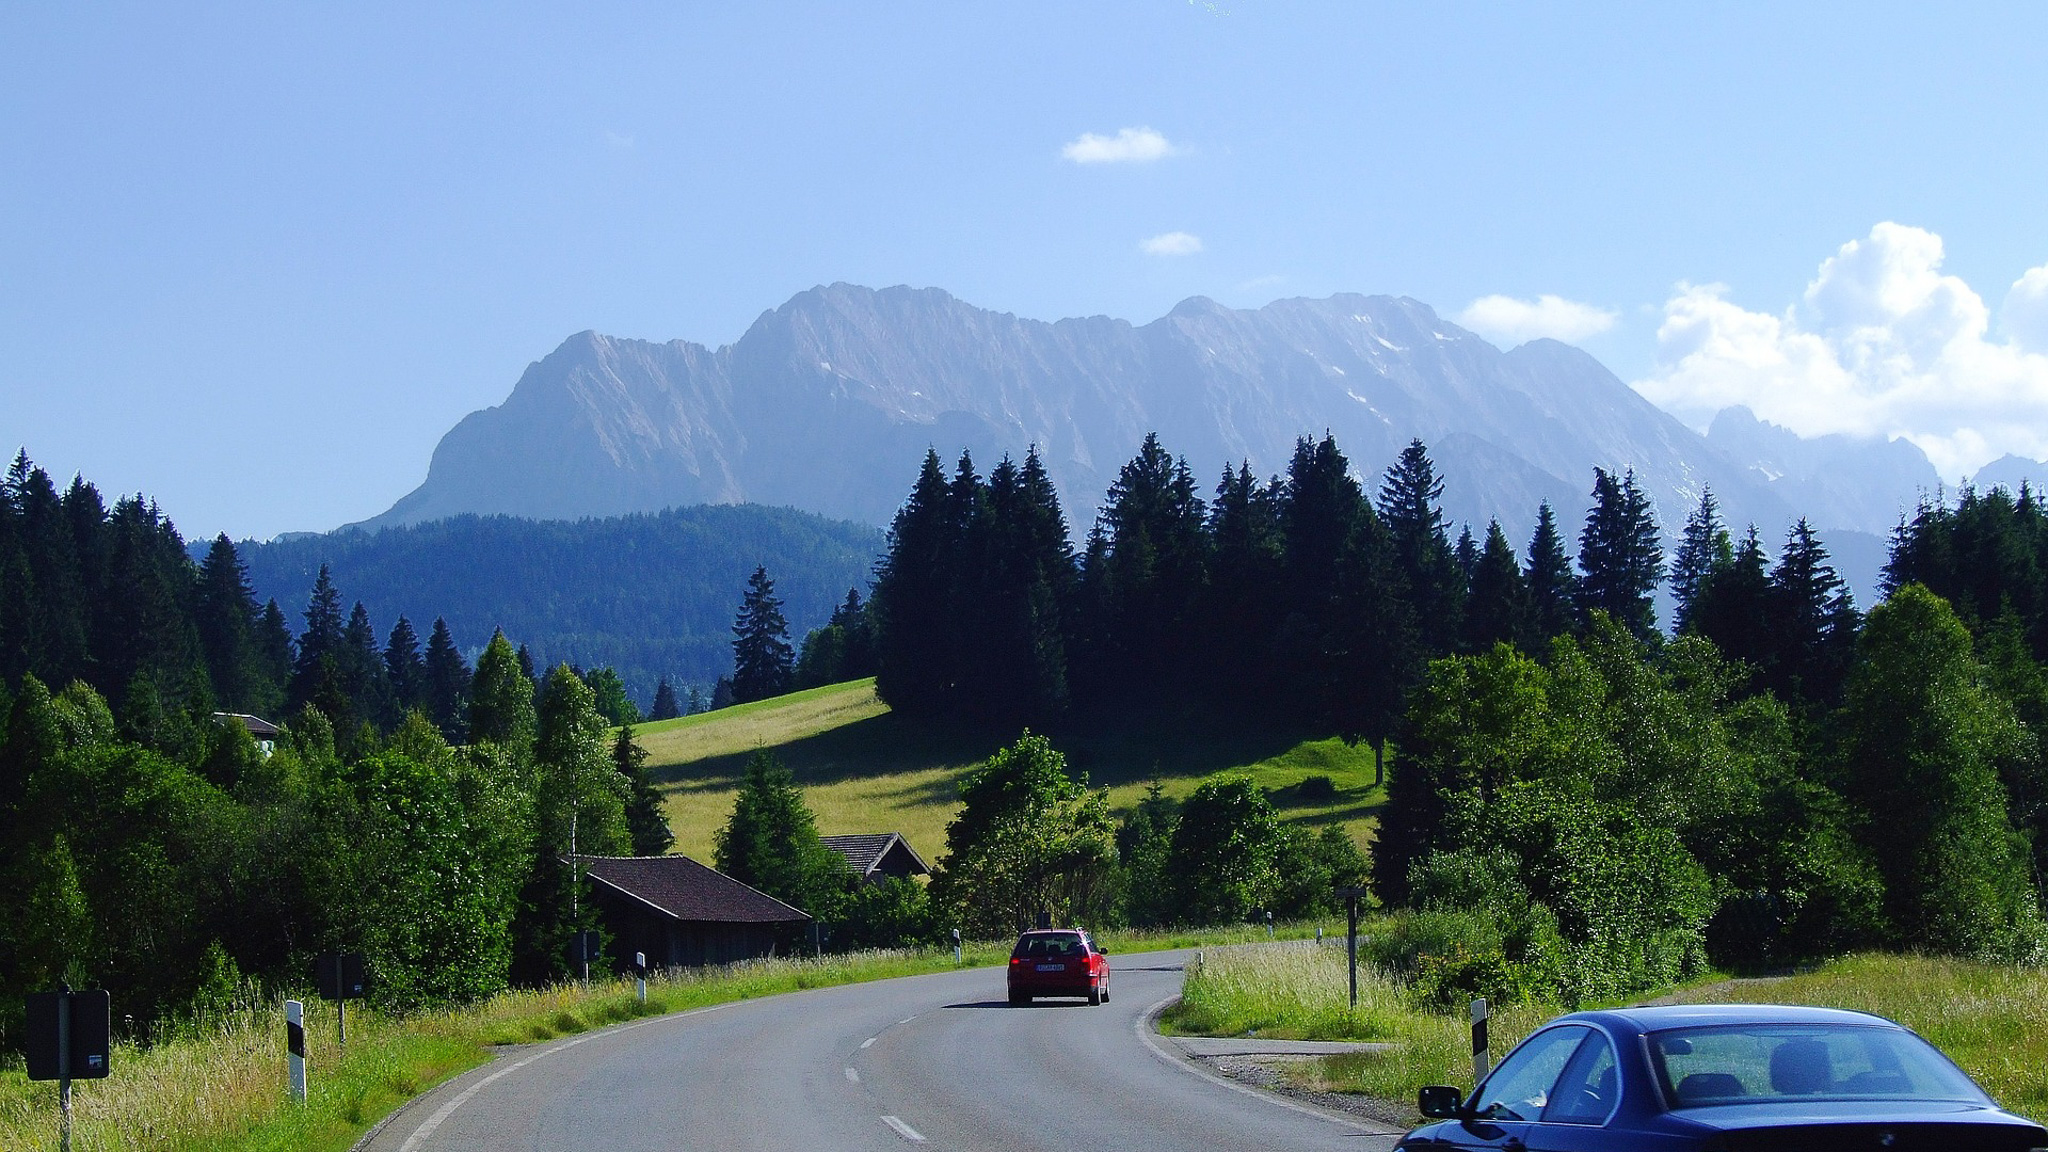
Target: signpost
(640, 968)
(339, 976)
(585, 947)
(69, 1035)
(1351, 897)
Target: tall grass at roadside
(1992, 1019)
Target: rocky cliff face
(829, 402)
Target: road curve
(923, 1062)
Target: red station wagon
(1058, 962)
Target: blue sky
(255, 260)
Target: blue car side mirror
(1440, 1102)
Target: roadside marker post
(1481, 1062)
(956, 947)
(1351, 897)
(295, 1048)
(1269, 925)
(640, 967)
(69, 1038)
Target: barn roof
(865, 851)
(683, 889)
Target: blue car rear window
(1747, 1064)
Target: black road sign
(90, 1014)
(340, 976)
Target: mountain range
(828, 403)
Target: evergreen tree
(761, 656)
(1431, 577)
(274, 652)
(501, 698)
(1705, 547)
(321, 641)
(1620, 554)
(646, 823)
(1242, 612)
(225, 614)
(1553, 588)
(404, 669)
(1498, 609)
(447, 684)
(1813, 622)
(1733, 606)
(771, 842)
(1026, 580)
(914, 658)
(665, 706)
(613, 703)
(362, 669)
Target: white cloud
(1172, 244)
(1506, 320)
(1880, 344)
(1129, 146)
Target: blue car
(1723, 1078)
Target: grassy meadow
(1991, 1019)
(865, 770)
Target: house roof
(258, 727)
(682, 889)
(865, 851)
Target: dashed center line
(906, 1020)
(869, 1042)
(852, 1076)
(904, 1130)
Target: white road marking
(1148, 1035)
(903, 1130)
(869, 1042)
(906, 1020)
(853, 1076)
(441, 1114)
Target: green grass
(867, 770)
(1991, 1019)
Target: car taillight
(1016, 959)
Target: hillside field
(865, 770)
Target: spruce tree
(771, 842)
(320, 641)
(1553, 588)
(665, 706)
(1430, 576)
(404, 669)
(1497, 611)
(446, 693)
(1733, 606)
(1705, 547)
(761, 655)
(645, 821)
(1813, 625)
(225, 614)
(1620, 554)
(1242, 611)
(363, 673)
(274, 652)
(912, 590)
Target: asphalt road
(933, 1062)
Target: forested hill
(647, 595)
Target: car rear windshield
(1751, 1063)
(1056, 944)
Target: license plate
(1052, 967)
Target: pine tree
(404, 669)
(1431, 578)
(1705, 547)
(645, 821)
(362, 670)
(1620, 554)
(446, 692)
(1553, 588)
(665, 706)
(225, 614)
(1733, 606)
(1497, 610)
(1154, 570)
(1813, 625)
(771, 842)
(319, 642)
(914, 660)
(761, 655)
(1242, 613)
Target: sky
(256, 259)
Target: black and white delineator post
(69, 1035)
(956, 947)
(295, 1048)
(640, 970)
(1481, 1061)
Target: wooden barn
(683, 914)
(875, 855)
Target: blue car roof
(1658, 1017)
